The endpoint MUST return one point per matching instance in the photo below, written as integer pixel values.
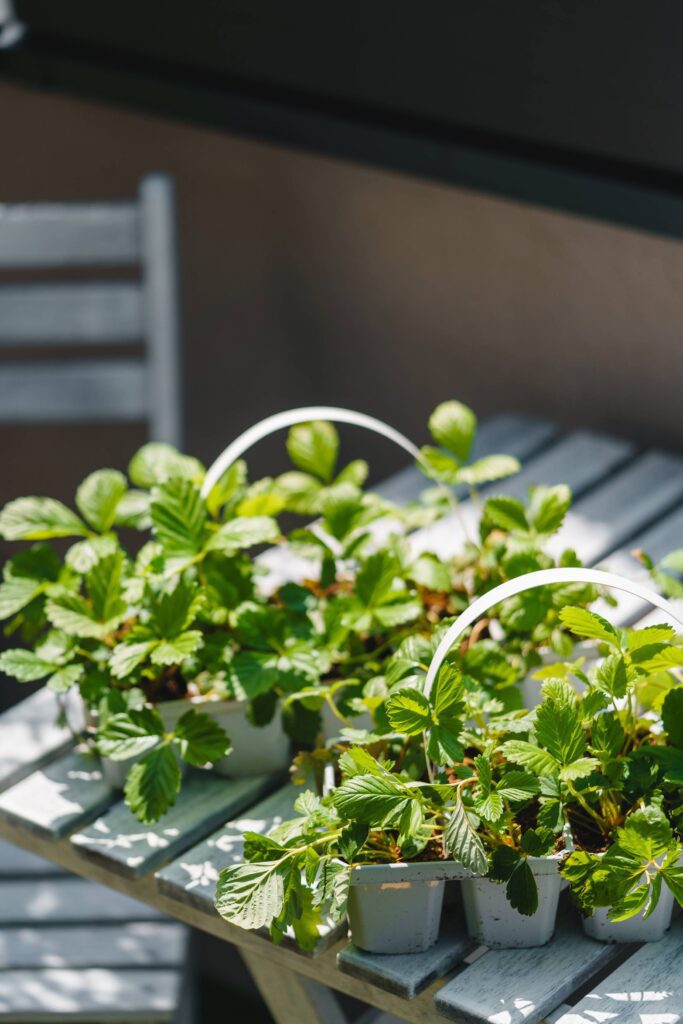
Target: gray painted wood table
(55, 803)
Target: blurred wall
(307, 279)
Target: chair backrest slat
(85, 391)
(70, 313)
(137, 304)
(68, 235)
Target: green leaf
(375, 579)
(25, 666)
(355, 472)
(607, 736)
(266, 504)
(581, 622)
(133, 511)
(674, 879)
(255, 672)
(398, 610)
(612, 676)
(153, 784)
(646, 835)
(537, 842)
(98, 496)
(516, 785)
(540, 762)
(462, 840)
(84, 554)
(105, 589)
(446, 697)
(156, 462)
(352, 840)
(178, 517)
(409, 711)
(579, 769)
(250, 895)
(16, 592)
(376, 800)
(637, 638)
(358, 761)
(176, 649)
(437, 465)
(674, 561)
(490, 807)
(63, 678)
(506, 513)
(430, 572)
(244, 533)
(202, 739)
(488, 469)
(521, 890)
(444, 745)
(73, 614)
(672, 716)
(127, 656)
(130, 734)
(559, 731)
(176, 607)
(453, 426)
(548, 507)
(39, 519)
(314, 447)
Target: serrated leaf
(581, 622)
(612, 676)
(548, 507)
(559, 730)
(444, 746)
(463, 842)
(244, 532)
(314, 447)
(352, 840)
(39, 519)
(64, 678)
(579, 769)
(178, 517)
(84, 554)
(176, 649)
(129, 734)
(267, 504)
(73, 614)
(250, 895)
(375, 578)
(98, 496)
(156, 462)
(153, 784)
(506, 513)
(430, 572)
(105, 588)
(488, 469)
(438, 465)
(16, 592)
(453, 426)
(540, 762)
(375, 800)
(25, 666)
(537, 842)
(521, 890)
(127, 656)
(254, 672)
(637, 638)
(672, 716)
(133, 511)
(398, 611)
(409, 712)
(490, 807)
(202, 740)
(516, 785)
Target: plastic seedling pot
(636, 928)
(490, 918)
(396, 908)
(492, 921)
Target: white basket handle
(290, 418)
(530, 581)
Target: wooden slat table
(56, 804)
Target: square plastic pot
(256, 750)
(634, 929)
(396, 908)
(492, 921)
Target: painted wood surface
(646, 989)
(521, 986)
(55, 901)
(129, 848)
(59, 797)
(69, 234)
(409, 974)
(30, 736)
(18, 863)
(69, 313)
(73, 392)
(94, 994)
(127, 944)
(624, 504)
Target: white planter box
(635, 929)
(492, 921)
(256, 750)
(396, 908)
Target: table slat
(521, 986)
(30, 736)
(95, 994)
(125, 846)
(58, 901)
(129, 944)
(408, 974)
(646, 989)
(59, 797)
(18, 863)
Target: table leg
(290, 997)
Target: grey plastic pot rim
(408, 871)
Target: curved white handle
(290, 418)
(530, 581)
